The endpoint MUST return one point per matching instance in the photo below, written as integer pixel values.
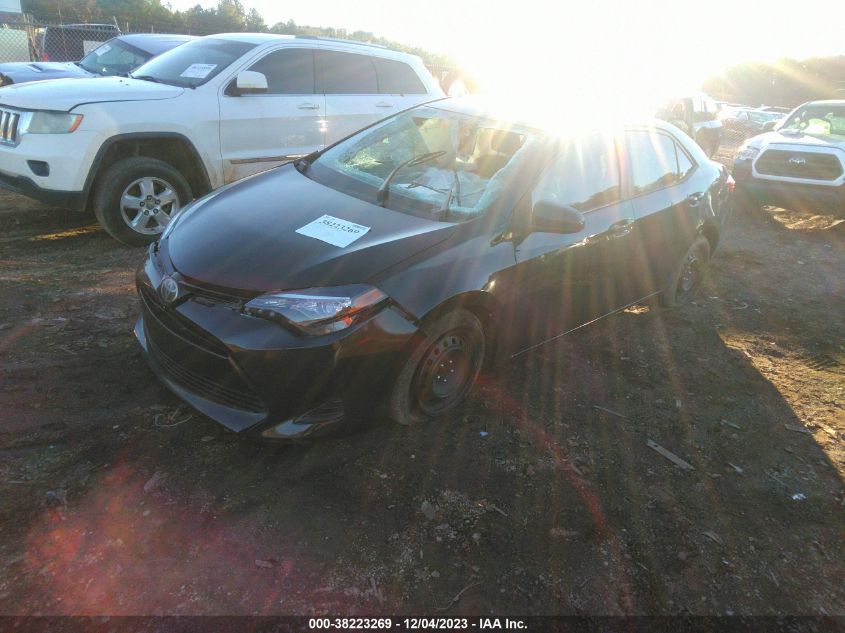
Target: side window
(397, 78)
(655, 161)
(685, 164)
(288, 71)
(585, 176)
(345, 74)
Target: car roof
(546, 120)
(266, 38)
(833, 102)
(155, 43)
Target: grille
(810, 165)
(232, 392)
(9, 120)
(181, 326)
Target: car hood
(794, 139)
(22, 72)
(66, 94)
(243, 237)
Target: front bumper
(67, 157)
(789, 195)
(251, 375)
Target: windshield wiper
(155, 80)
(453, 190)
(381, 194)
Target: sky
(635, 47)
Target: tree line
(788, 82)
(227, 16)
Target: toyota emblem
(798, 161)
(168, 290)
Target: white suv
(197, 117)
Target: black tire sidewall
(669, 297)
(401, 404)
(114, 181)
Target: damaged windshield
(818, 120)
(430, 162)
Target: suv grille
(9, 121)
(810, 165)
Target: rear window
(194, 63)
(396, 77)
(345, 74)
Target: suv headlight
(318, 311)
(747, 153)
(51, 123)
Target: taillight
(731, 184)
(45, 57)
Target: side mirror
(250, 82)
(551, 217)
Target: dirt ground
(116, 499)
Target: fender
(136, 136)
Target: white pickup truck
(800, 165)
(207, 113)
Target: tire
(686, 279)
(454, 342)
(144, 181)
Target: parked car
(697, 115)
(743, 123)
(799, 166)
(70, 42)
(391, 266)
(119, 56)
(206, 113)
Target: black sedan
(382, 273)
(119, 56)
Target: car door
(350, 85)
(399, 82)
(262, 130)
(666, 196)
(561, 281)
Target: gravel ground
(541, 497)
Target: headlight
(747, 153)
(51, 123)
(318, 311)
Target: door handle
(384, 104)
(620, 228)
(309, 106)
(695, 199)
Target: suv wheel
(688, 275)
(136, 197)
(439, 374)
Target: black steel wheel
(440, 373)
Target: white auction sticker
(105, 48)
(333, 230)
(198, 71)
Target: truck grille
(809, 165)
(9, 120)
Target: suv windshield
(440, 164)
(113, 58)
(194, 63)
(818, 120)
